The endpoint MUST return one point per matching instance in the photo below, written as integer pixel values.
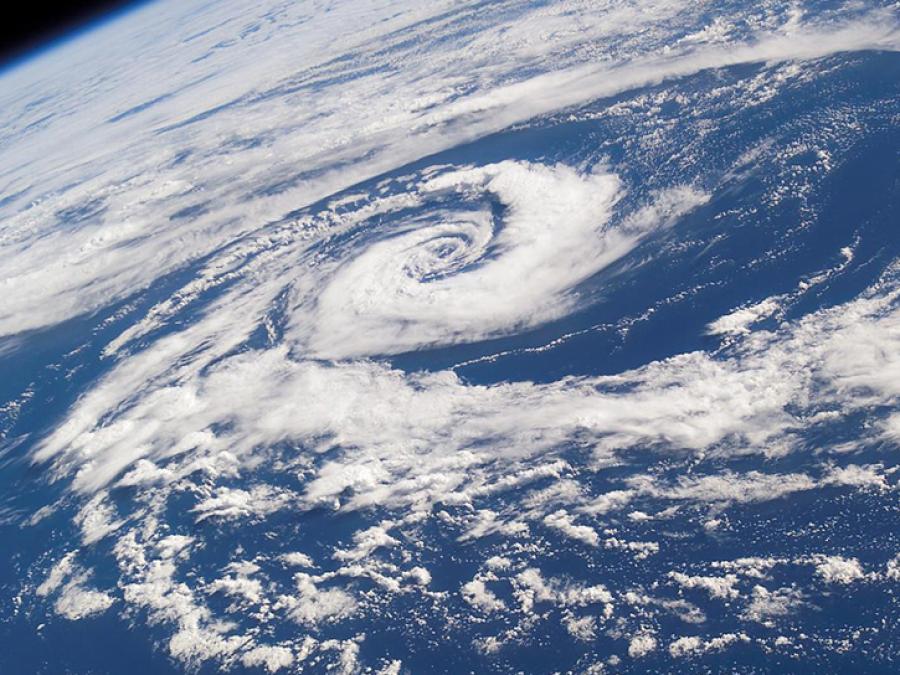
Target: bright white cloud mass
(257, 211)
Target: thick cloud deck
(507, 258)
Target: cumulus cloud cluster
(273, 395)
(404, 438)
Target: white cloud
(752, 486)
(312, 605)
(641, 645)
(76, 602)
(581, 628)
(74, 599)
(609, 501)
(740, 320)
(453, 275)
(641, 549)
(273, 657)
(684, 646)
(58, 573)
(297, 559)
(174, 545)
(853, 475)
(348, 653)
(241, 586)
(451, 93)
(144, 473)
(717, 587)
(96, 519)
(531, 587)
(757, 568)
(227, 502)
(400, 440)
(892, 569)
(839, 570)
(766, 605)
(197, 401)
(366, 542)
(391, 668)
(478, 595)
(419, 575)
(563, 522)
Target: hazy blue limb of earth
(443, 337)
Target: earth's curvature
(453, 336)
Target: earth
(402, 337)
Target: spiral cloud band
(510, 319)
(508, 259)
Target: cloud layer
(224, 194)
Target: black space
(30, 24)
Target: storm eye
(444, 249)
